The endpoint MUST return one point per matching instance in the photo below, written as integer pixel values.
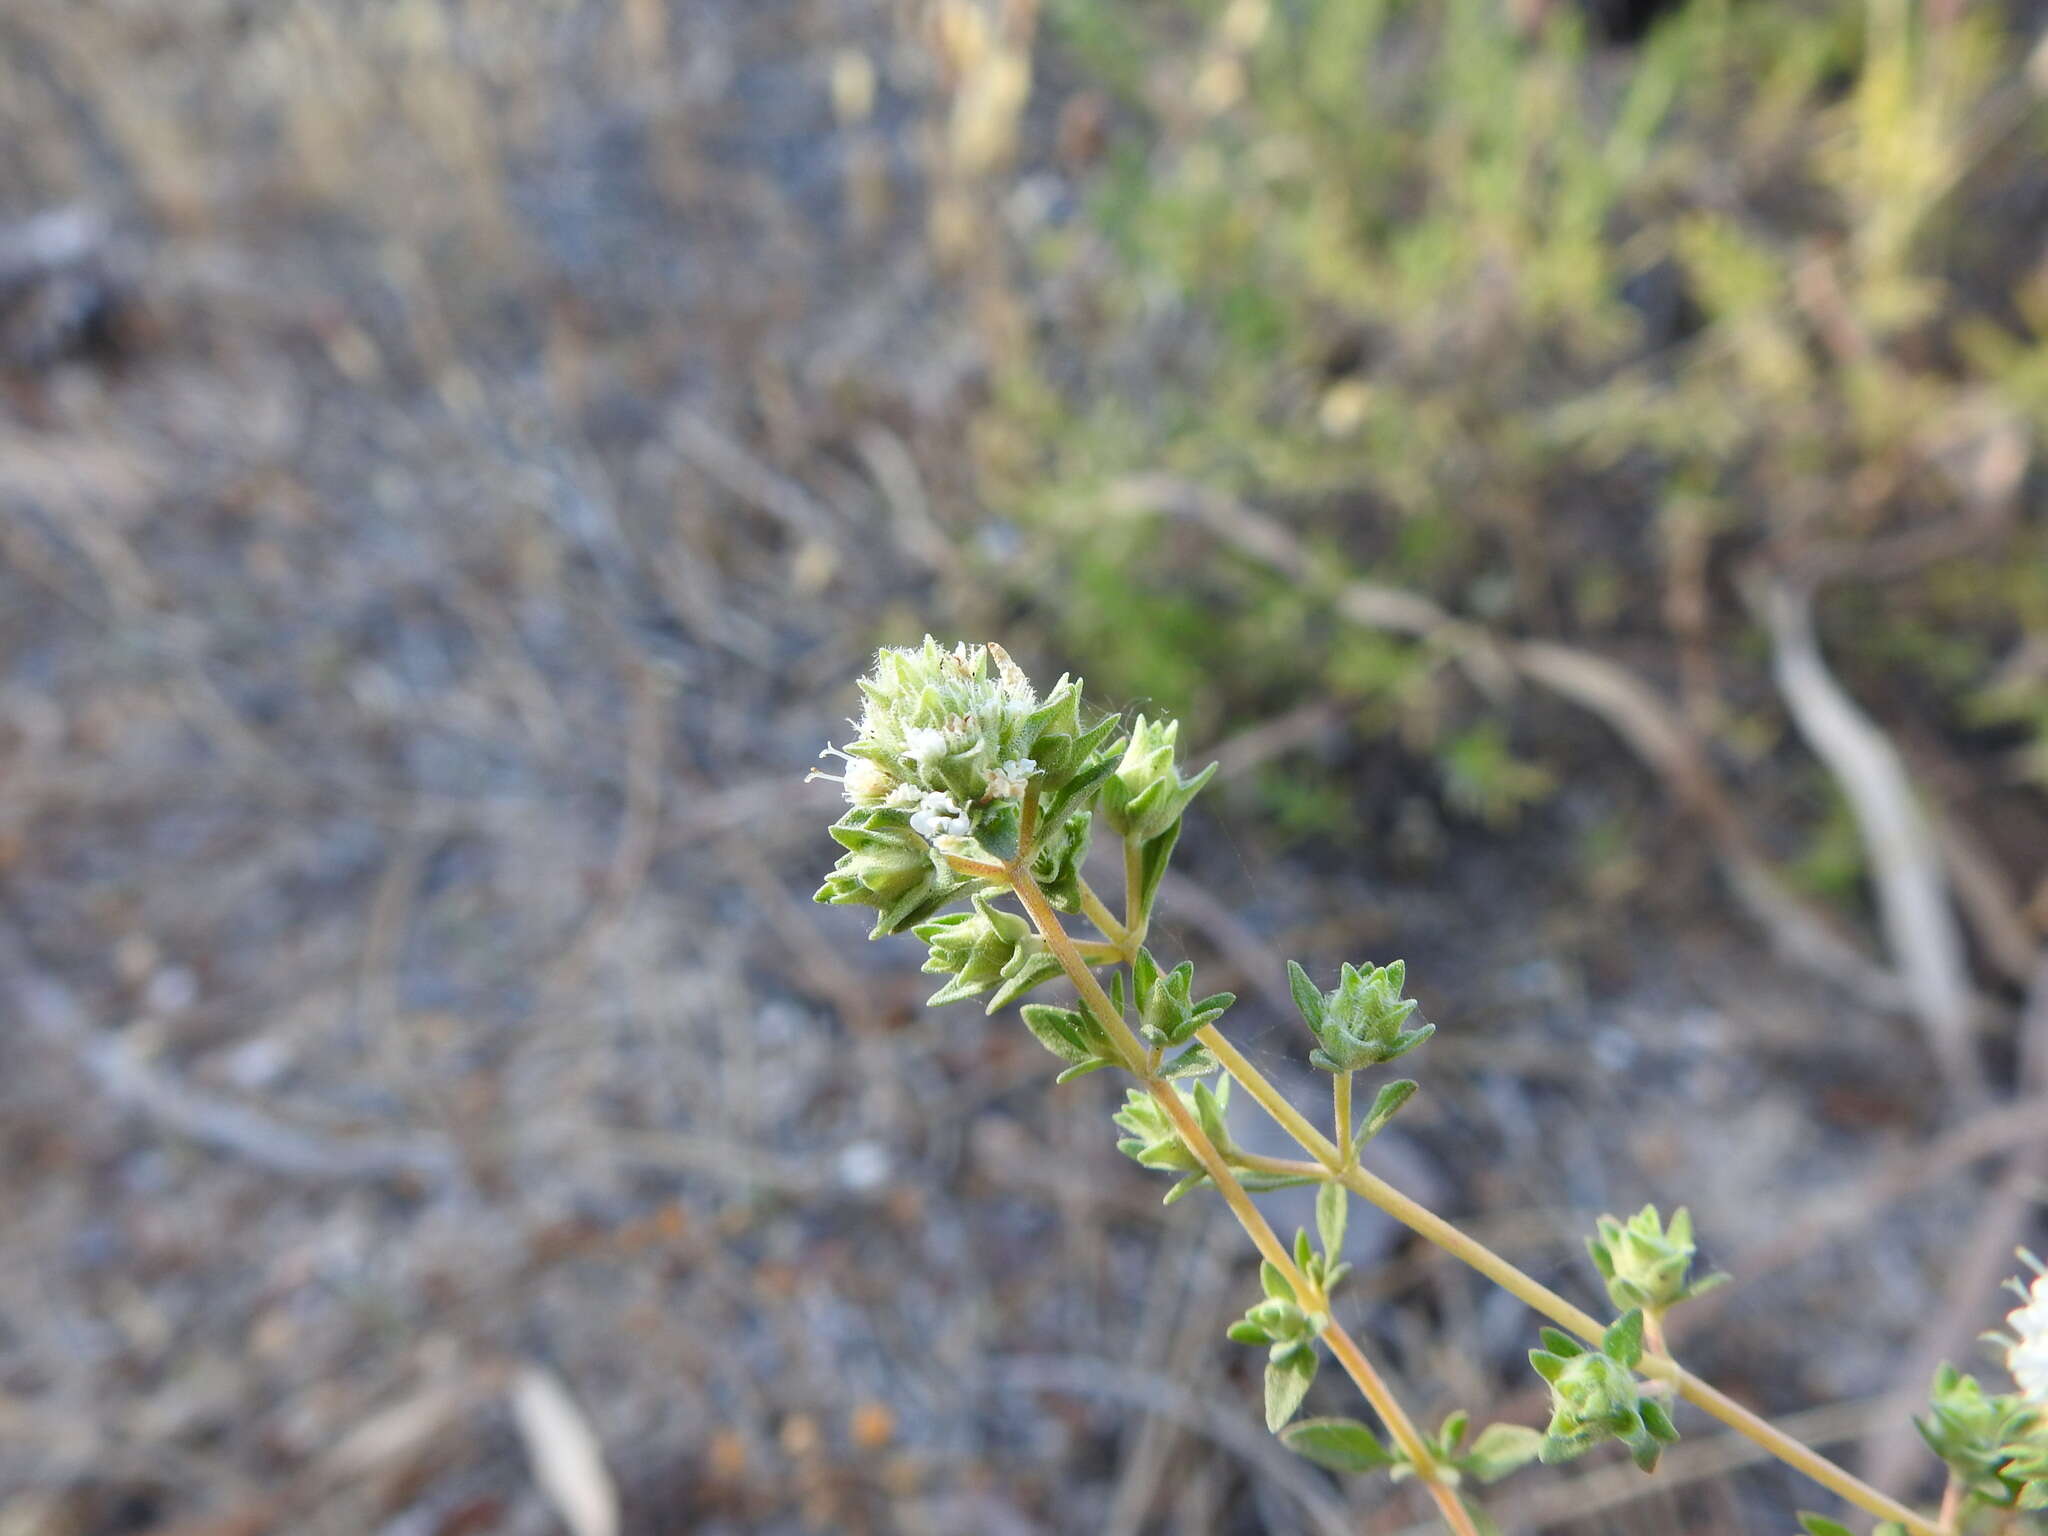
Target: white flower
(1007, 780)
(903, 797)
(939, 815)
(925, 745)
(2027, 1359)
(864, 782)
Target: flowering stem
(1342, 1345)
(1658, 1366)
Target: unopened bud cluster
(1363, 1022)
(1594, 1396)
(1646, 1264)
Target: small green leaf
(1333, 1206)
(1209, 1112)
(1082, 1069)
(1561, 1344)
(1193, 1062)
(1244, 1331)
(1287, 1383)
(1499, 1450)
(1275, 1283)
(1451, 1431)
(1152, 862)
(1820, 1525)
(1342, 1445)
(1062, 1031)
(1186, 1186)
(1548, 1366)
(1385, 1105)
(1304, 1256)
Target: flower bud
(982, 948)
(1646, 1264)
(1147, 795)
(1166, 1015)
(1361, 1023)
(1594, 1396)
(889, 867)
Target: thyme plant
(966, 790)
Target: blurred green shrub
(1556, 333)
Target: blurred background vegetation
(1574, 464)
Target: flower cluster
(950, 745)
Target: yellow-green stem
(1097, 913)
(1128, 1047)
(1345, 1348)
(1136, 917)
(1657, 1366)
(1340, 1097)
(1342, 1345)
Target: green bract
(1646, 1264)
(1361, 1023)
(1146, 795)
